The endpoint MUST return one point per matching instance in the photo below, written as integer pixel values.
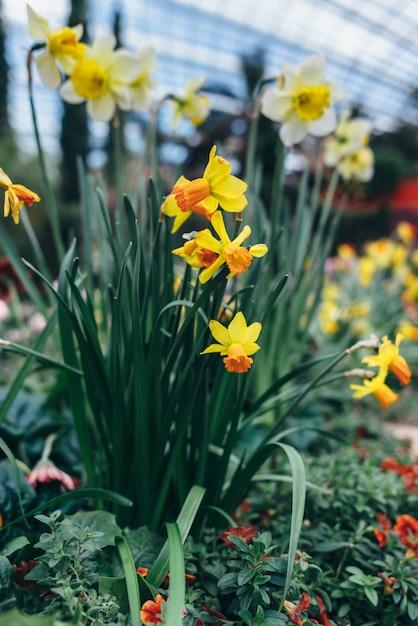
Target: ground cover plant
(169, 363)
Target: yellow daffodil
(381, 251)
(203, 195)
(406, 232)
(388, 357)
(236, 342)
(195, 255)
(302, 100)
(15, 196)
(192, 105)
(377, 386)
(102, 78)
(140, 87)
(408, 330)
(62, 46)
(237, 257)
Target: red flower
(213, 613)
(20, 572)
(386, 525)
(151, 611)
(294, 610)
(244, 532)
(46, 472)
(389, 583)
(322, 617)
(143, 571)
(407, 528)
(408, 471)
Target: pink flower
(46, 472)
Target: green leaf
(13, 545)
(115, 587)
(371, 595)
(177, 587)
(6, 578)
(131, 580)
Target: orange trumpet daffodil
(377, 386)
(388, 356)
(16, 196)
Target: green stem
(53, 212)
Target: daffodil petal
(48, 71)
(276, 105)
(101, 109)
(325, 124)
(214, 347)
(68, 93)
(312, 69)
(237, 328)
(293, 130)
(258, 250)
(252, 333)
(38, 25)
(219, 333)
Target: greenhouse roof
(371, 47)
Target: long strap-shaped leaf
(184, 522)
(177, 578)
(131, 579)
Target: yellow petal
(220, 333)
(238, 328)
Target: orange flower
(143, 571)
(389, 583)
(377, 386)
(45, 471)
(322, 617)
(382, 535)
(16, 196)
(388, 356)
(151, 611)
(407, 528)
(294, 610)
(408, 472)
(243, 532)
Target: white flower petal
(337, 92)
(125, 67)
(102, 50)
(324, 125)
(148, 58)
(293, 130)
(275, 104)
(101, 109)
(194, 85)
(122, 96)
(48, 71)
(38, 25)
(68, 94)
(312, 69)
(79, 30)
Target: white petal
(312, 69)
(337, 92)
(148, 58)
(101, 109)
(102, 50)
(324, 125)
(275, 104)
(195, 84)
(48, 71)
(38, 25)
(68, 94)
(121, 94)
(293, 130)
(79, 30)
(125, 67)
(141, 99)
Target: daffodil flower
(141, 86)
(195, 255)
(62, 46)
(102, 78)
(192, 105)
(350, 135)
(377, 386)
(302, 100)
(388, 357)
(16, 196)
(236, 342)
(203, 195)
(237, 257)
(358, 166)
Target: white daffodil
(62, 46)
(349, 136)
(102, 78)
(192, 105)
(302, 100)
(140, 88)
(359, 165)
(347, 149)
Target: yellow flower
(140, 87)
(192, 105)
(16, 196)
(381, 251)
(61, 45)
(377, 386)
(359, 165)
(237, 257)
(406, 232)
(203, 195)
(388, 357)
(102, 78)
(195, 255)
(408, 330)
(302, 100)
(366, 269)
(350, 135)
(236, 342)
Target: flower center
(89, 79)
(189, 194)
(64, 41)
(310, 102)
(237, 258)
(206, 257)
(236, 360)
